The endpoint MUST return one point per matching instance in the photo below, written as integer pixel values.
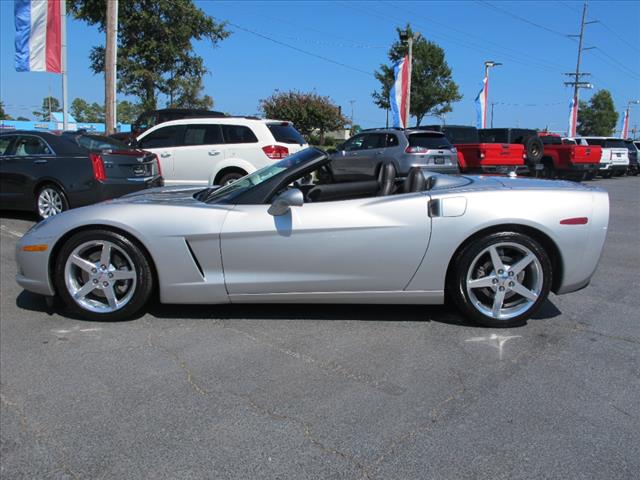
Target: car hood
(174, 195)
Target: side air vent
(195, 259)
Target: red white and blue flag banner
(38, 36)
(573, 117)
(481, 104)
(625, 124)
(398, 93)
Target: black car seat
(415, 181)
(386, 179)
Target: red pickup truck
(475, 156)
(567, 160)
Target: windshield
(429, 140)
(99, 142)
(286, 133)
(259, 176)
(615, 143)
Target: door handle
(214, 152)
(379, 153)
(353, 154)
(41, 160)
(165, 154)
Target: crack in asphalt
(328, 367)
(38, 433)
(578, 327)
(435, 413)
(261, 409)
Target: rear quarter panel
(542, 209)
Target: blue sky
(525, 36)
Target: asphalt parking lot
(328, 391)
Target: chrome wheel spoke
(495, 259)
(85, 265)
(524, 291)
(111, 296)
(521, 264)
(482, 282)
(105, 254)
(123, 275)
(498, 300)
(84, 290)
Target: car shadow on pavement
(19, 215)
(339, 312)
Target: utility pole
(408, 39)
(110, 67)
(352, 102)
(577, 83)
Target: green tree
(186, 92)
(49, 104)
(599, 116)
(22, 119)
(3, 114)
(127, 112)
(432, 88)
(308, 112)
(83, 111)
(154, 42)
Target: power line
(311, 54)
(477, 38)
(522, 19)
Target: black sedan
(51, 172)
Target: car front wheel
(501, 280)
(102, 275)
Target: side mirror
(283, 202)
(340, 147)
(331, 151)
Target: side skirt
(415, 297)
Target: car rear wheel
(50, 201)
(230, 178)
(102, 275)
(501, 280)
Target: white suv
(615, 155)
(217, 151)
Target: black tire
(590, 175)
(230, 177)
(606, 174)
(55, 199)
(533, 148)
(139, 287)
(539, 271)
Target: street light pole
(625, 122)
(487, 65)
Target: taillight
(159, 167)
(275, 152)
(98, 167)
(416, 149)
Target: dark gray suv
(360, 157)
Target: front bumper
(33, 267)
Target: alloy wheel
(100, 277)
(504, 280)
(50, 202)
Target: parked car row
(51, 172)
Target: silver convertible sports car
(494, 246)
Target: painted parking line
(12, 233)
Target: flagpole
(63, 41)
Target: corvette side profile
(494, 246)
